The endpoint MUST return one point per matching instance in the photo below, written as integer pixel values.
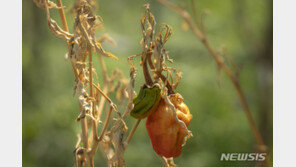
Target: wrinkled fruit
(146, 101)
(165, 132)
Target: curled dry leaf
(46, 3)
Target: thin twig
(62, 15)
(78, 141)
(104, 69)
(94, 124)
(65, 28)
(102, 102)
(146, 71)
(102, 93)
(84, 132)
(195, 13)
(106, 124)
(90, 73)
(133, 131)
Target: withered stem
(90, 73)
(104, 69)
(62, 15)
(133, 131)
(161, 76)
(102, 102)
(106, 124)
(84, 132)
(102, 93)
(147, 76)
(65, 28)
(195, 13)
(93, 122)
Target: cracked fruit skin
(165, 132)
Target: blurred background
(219, 124)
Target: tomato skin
(166, 134)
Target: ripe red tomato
(165, 132)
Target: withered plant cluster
(154, 60)
(110, 134)
(93, 97)
(102, 123)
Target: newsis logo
(243, 156)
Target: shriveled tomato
(165, 132)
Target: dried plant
(93, 97)
(154, 57)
